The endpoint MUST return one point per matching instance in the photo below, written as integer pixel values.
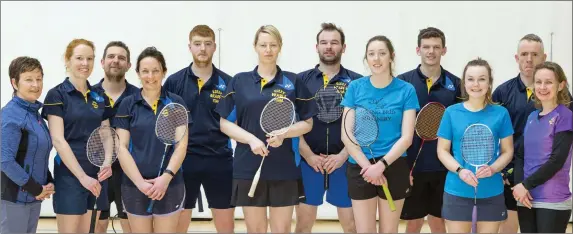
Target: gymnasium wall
(490, 30)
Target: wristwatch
(459, 169)
(384, 162)
(169, 172)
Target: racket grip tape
(150, 207)
(93, 220)
(255, 183)
(389, 198)
(474, 219)
(326, 177)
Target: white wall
(490, 30)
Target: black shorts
(397, 175)
(510, 202)
(273, 193)
(216, 176)
(114, 193)
(426, 197)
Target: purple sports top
(538, 144)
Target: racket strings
(103, 146)
(477, 145)
(328, 100)
(428, 121)
(277, 115)
(365, 127)
(169, 123)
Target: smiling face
(547, 86)
(29, 85)
(81, 63)
(115, 64)
(151, 73)
(379, 58)
(431, 51)
(477, 82)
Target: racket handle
(326, 175)
(93, 219)
(256, 180)
(150, 207)
(389, 198)
(474, 219)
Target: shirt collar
(195, 77)
(69, 87)
(424, 77)
(258, 77)
(520, 83)
(27, 105)
(342, 73)
(139, 98)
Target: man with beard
(316, 161)
(433, 84)
(115, 63)
(209, 160)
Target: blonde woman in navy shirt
(279, 186)
(74, 109)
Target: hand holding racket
(276, 119)
(477, 150)
(427, 125)
(362, 130)
(328, 100)
(170, 128)
(102, 149)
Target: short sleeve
(411, 101)
(226, 106)
(53, 104)
(109, 111)
(305, 104)
(564, 122)
(123, 116)
(179, 99)
(349, 97)
(445, 130)
(506, 125)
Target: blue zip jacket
(26, 146)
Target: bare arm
(304, 149)
(126, 159)
(444, 155)
(179, 153)
(298, 129)
(408, 123)
(56, 124)
(235, 132)
(354, 150)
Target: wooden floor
(48, 225)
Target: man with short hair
(209, 160)
(115, 63)
(516, 95)
(433, 84)
(330, 45)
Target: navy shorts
(136, 203)
(216, 176)
(491, 209)
(114, 193)
(71, 198)
(313, 182)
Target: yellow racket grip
(389, 198)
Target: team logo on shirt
(95, 105)
(552, 121)
(449, 84)
(286, 84)
(221, 86)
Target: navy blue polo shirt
(316, 138)
(513, 95)
(246, 99)
(206, 138)
(447, 91)
(81, 114)
(138, 117)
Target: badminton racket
(427, 124)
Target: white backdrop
(490, 30)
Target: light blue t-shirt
(387, 104)
(454, 122)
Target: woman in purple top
(544, 162)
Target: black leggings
(538, 220)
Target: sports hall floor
(48, 225)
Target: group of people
(525, 183)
